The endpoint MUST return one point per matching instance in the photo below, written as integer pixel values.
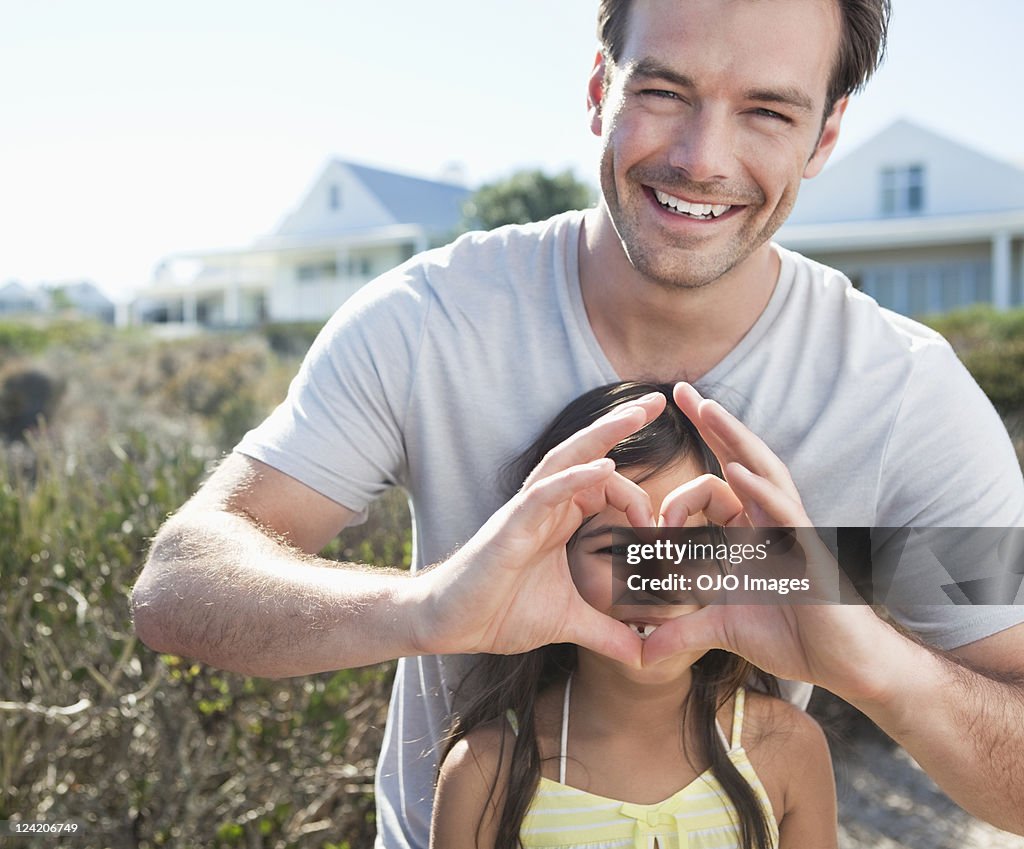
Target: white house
(919, 222)
(353, 224)
(80, 298)
(17, 299)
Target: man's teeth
(642, 631)
(695, 210)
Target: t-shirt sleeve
(340, 429)
(949, 464)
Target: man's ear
(827, 140)
(595, 93)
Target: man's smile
(691, 209)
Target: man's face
(709, 121)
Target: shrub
(27, 394)
(991, 345)
(151, 750)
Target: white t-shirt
(437, 373)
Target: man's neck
(650, 331)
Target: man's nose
(704, 146)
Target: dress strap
(513, 721)
(737, 718)
(721, 735)
(565, 730)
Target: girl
(563, 747)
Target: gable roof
(414, 200)
(348, 199)
(959, 180)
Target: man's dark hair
(864, 25)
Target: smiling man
(711, 113)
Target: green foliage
(290, 339)
(991, 346)
(26, 394)
(29, 337)
(156, 750)
(525, 196)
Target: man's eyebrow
(652, 69)
(788, 95)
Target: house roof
(347, 199)
(413, 200)
(14, 292)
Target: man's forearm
(217, 589)
(965, 728)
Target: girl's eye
(613, 550)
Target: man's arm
(232, 580)
(961, 717)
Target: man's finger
(730, 439)
(689, 400)
(695, 632)
(765, 503)
(600, 633)
(599, 438)
(539, 498)
(708, 494)
(630, 498)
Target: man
(711, 112)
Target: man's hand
(833, 645)
(508, 589)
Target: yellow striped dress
(699, 816)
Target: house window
(359, 266)
(334, 197)
(903, 190)
(316, 271)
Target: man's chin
(680, 277)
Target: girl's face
(590, 556)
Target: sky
(131, 130)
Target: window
(316, 270)
(334, 197)
(903, 190)
(359, 266)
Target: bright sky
(131, 130)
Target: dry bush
(143, 749)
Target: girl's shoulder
(483, 749)
(471, 785)
(767, 718)
(784, 744)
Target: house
(921, 223)
(354, 223)
(17, 299)
(80, 298)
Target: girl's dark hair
(500, 683)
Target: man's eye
(614, 550)
(660, 93)
(773, 115)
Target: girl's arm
(809, 794)
(471, 791)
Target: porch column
(188, 308)
(1001, 270)
(232, 311)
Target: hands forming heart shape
(510, 590)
